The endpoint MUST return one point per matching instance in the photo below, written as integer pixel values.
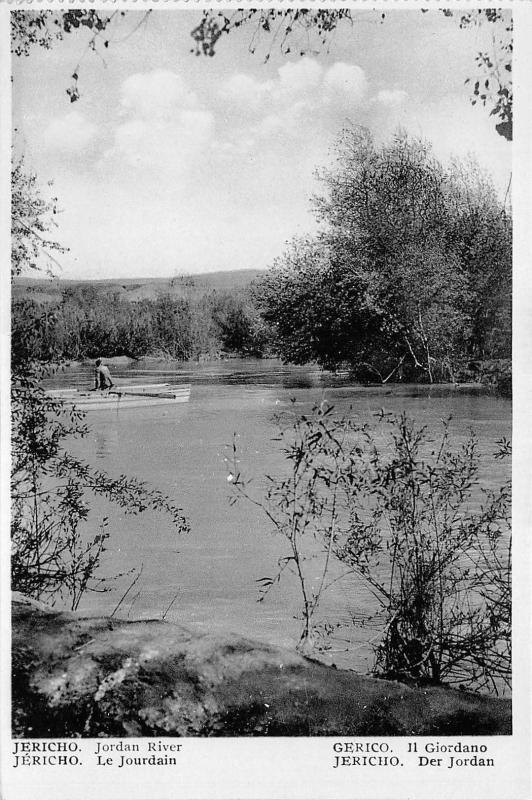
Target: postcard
(265, 431)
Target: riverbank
(101, 676)
(495, 375)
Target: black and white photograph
(258, 514)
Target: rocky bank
(97, 676)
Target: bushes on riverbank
(400, 510)
(87, 323)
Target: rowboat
(138, 396)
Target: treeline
(410, 276)
(409, 279)
(86, 323)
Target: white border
(302, 768)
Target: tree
(45, 28)
(32, 219)
(438, 239)
(321, 306)
(412, 264)
(480, 234)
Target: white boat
(137, 396)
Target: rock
(97, 676)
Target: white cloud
(156, 94)
(345, 85)
(166, 130)
(71, 133)
(302, 103)
(242, 90)
(299, 77)
(391, 97)
(300, 85)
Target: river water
(209, 576)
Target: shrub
(409, 518)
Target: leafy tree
(239, 326)
(45, 28)
(411, 267)
(87, 322)
(32, 220)
(479, 231)
(321, 307)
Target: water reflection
(106, 439)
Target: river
(209, 576)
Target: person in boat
(102, 376)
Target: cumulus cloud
(391, 97)
(165, 127)
(303, 97)
(345, 85)
(157, 94)
(299, 77)
(71, 133)
(302, 82)
(242, 90)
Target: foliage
(45, 28)
(442, 569)
(307, 506)
(52, 556)
(283, 25)
(32, 219)
(321, 307)
(88, 322)
(494, 86)
(406, 515)
(410, 274)
(238, 325)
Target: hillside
(46, 290)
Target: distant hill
(47, 290)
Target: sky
(176, 164)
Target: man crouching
(102, 376)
